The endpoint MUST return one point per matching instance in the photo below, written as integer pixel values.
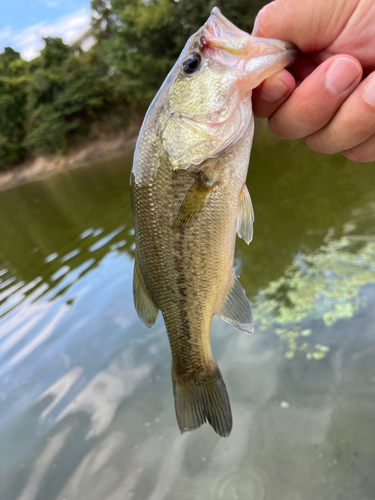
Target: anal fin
(236, 308)
(143, 303)
(245, 216)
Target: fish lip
(218, 28)
(273, 50)
(218, 20)
(252, 59)
(216, 17)
(217, 25)
(277, 44)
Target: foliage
(65, 91)
(49, 102)
(322, 286)
(13, 86)
(148, 36)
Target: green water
(86, 404)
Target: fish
(189, 199)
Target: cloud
(49, 3)
(5, 32)
(29, 42)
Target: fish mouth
(219, 26)
(255, 58)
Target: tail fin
(204, 400)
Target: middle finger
(317, 99)
(353, 124)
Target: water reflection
(325, 285)
(86, 406)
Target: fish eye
(191, 63)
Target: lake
(86, 402)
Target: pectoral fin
(195, 200)
(236, 309)
(245, 216)
(143, 303)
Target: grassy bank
(104, 145)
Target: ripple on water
(106, 239)
(51, 257)
(70, 255)
(7, 282)
(60, 272)
(240, 484)
(86, 233)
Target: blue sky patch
(24, 22)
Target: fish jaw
(253, 59)
(208, 111)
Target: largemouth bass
(189, 198)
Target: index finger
(274, 91)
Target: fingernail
(341, 74)
(273, 90)
(369, 92)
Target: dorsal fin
(236, 308)
(143, 303)
(245, 216)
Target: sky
(24, 22)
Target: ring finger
(352, 125)
(363, 152)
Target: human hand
(322, 97)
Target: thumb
(312, 25)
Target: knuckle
(317, 143)
(261, 109)
(262, 113)
(264, 23)
(280, 127)
(358, 155)
(260, 25)
(263, 16)
(309, 111)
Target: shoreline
(44, 166)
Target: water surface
(86, 404)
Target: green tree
(47, 104)
(146, 38)
(13, 91)
(67, 90)
(102, 19)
